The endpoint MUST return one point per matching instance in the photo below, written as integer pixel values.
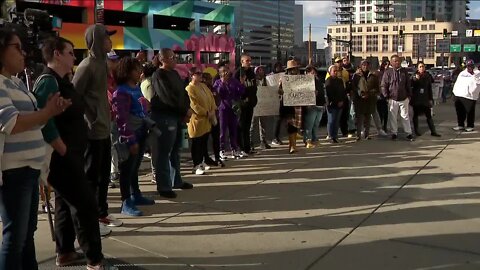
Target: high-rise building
(265, 28)
(381, 11)
(298, 25)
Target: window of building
(424, 27)
(329, 30)
(395, 28)
(384, 43)
(369, 29)
(362, 2)
(416, 27)
(359, 29)
(402, 27)
(362, 9)
(344, 30)
(431, 27)
(357, 43)
(369, 2)
(375, 29)
(396, 41)
(354, 29)
(385, 29)
(369, 8)
(337, 30)
(372, 43)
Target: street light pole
(350, 44)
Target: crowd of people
(81, 131)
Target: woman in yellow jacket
(203, 106)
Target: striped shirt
(25, 149)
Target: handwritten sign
(298, 90)
(268, 101)
(274, 79)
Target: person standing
(112, 62)
(313, 114)
(246, 75)
(259, 122)
(76, 213)
(230, 91)
(170, 110)
(466, 91)
(90, 82)
(382, 104)
(203, 117)
(365, 90)
(23, 154)
(215, 131)
(129, 117)
(422, 99)
(343, 74)
(278, 68)
(396, 88)
(335, 95)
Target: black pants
(98, 157)
(215, 134)
(382, 108)
(419, 110)
(199, 146)
(244, 130)
(129, 169)
(465, 110)
(76, 213)
(344, 117)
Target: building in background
(382, 40)
(298, 26)
(265, 29)
(201, 33)
(380, 11)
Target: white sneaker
(223, 155)
(382, 133)
(458, 128)
(198, 170)
(110, 221)
(242, 154)
(104, 230)
(328, 137)
(468, 129)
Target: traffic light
(400, 33)
(329, 38)
(445, 33)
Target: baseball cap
(470, 62)
(112, 55)
(338, 59)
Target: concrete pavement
(358, 205)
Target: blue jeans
(18, 209)
(165, 151)
(333, 121)
(313, 116)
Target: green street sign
(469, 47)
(455, 47)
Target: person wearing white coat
(466, 91)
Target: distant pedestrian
(396, 87)
(313, 114)
(466, 91)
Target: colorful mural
(149, 38)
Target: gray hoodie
(90, 81)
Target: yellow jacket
(203, 105)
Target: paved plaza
(375, 205)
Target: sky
(320, 14)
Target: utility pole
(350, 44)
(310, 44)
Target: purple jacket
(396, 84)
(228, 92)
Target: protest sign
(298, 90)
(268, 101)
(274, 79)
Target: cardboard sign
(274, 79)
(298, 90)
(268, 101)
